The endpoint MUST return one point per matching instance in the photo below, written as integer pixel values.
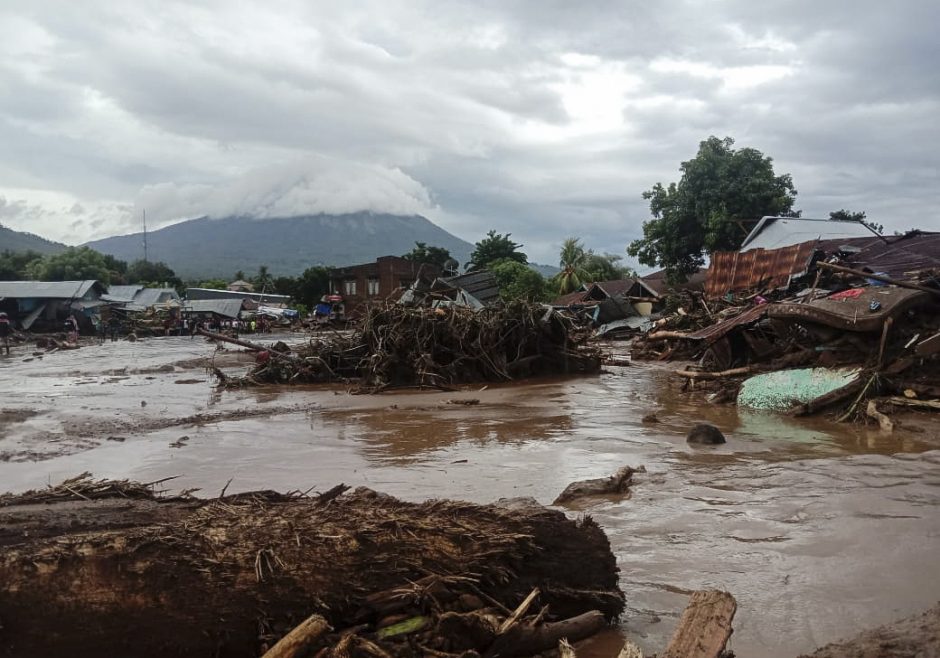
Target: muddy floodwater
(817, 529)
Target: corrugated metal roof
(481, 285)
(898, 256)
(48, 289)
(152, 296)
(780, 232)
(227, 308)
(122, 293)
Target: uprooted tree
(698, 215)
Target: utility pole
(145, 235)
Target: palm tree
(572, 261)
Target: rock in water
(705, 434)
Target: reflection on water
(818, 529)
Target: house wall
(388, 273)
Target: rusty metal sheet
(854, 313)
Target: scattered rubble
(399, 346)
(836, 324)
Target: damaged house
(45, 305)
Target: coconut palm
(572, 260)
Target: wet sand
(818, 529)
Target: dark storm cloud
(540, 118)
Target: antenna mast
(145, 235)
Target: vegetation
(573, 259)
(73, 264)
(153, 275)
(14, 264)
(699, 214)
(422, 253)
(494, 247)
(849, 216)
(519, 282)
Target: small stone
(705, 434)
(650, 418)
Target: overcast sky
(541, 118)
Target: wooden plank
(928, 346)
(705, 626)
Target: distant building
(240, 286)
(361, 285)
(45, 305)
(139, 298)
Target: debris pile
(399, 346)
(854, 325)
(233, 575)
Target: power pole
(145, 235)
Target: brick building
(360, 285)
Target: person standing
(5, 330)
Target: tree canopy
(518, 281)
(850, 216)
(155, 274)
(572, 260)
(73, 264)
(422, 253)
(494, 247)
(698, 215)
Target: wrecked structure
(370, 284)
(857, 317)
(45, 305)
(618, 308)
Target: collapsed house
(846, 317)
(45, 305)
(618, 308)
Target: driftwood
(696, 374)
(883, 421)
(526, 639)
(295, 643)
(928, 405)
(617, 483)
(705, 626)
(230, 576)
(660, 336)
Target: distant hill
(11, 240)
(217, 248)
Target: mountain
(217, 248)
(11, 240)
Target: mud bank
(819, 530)
(230, 576)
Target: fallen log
(705, 626)
(828, 399)
(733, 372)
(660, 336)
(526, 640)
(928, 405)
(232, 575)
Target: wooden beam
(878, 277)
(705, 626)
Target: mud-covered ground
(819, 530)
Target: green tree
(263, 281)
(117, 270)
(312, 285)
(493, 247)
(849, 216)
(73, 264)
(152, 274)
(15, 264)
(239, 275)
(572, 261)
(699, 214)
(518, 281)
(212, 284)
(606, 267)
(422, 253)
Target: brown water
(817, 529)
